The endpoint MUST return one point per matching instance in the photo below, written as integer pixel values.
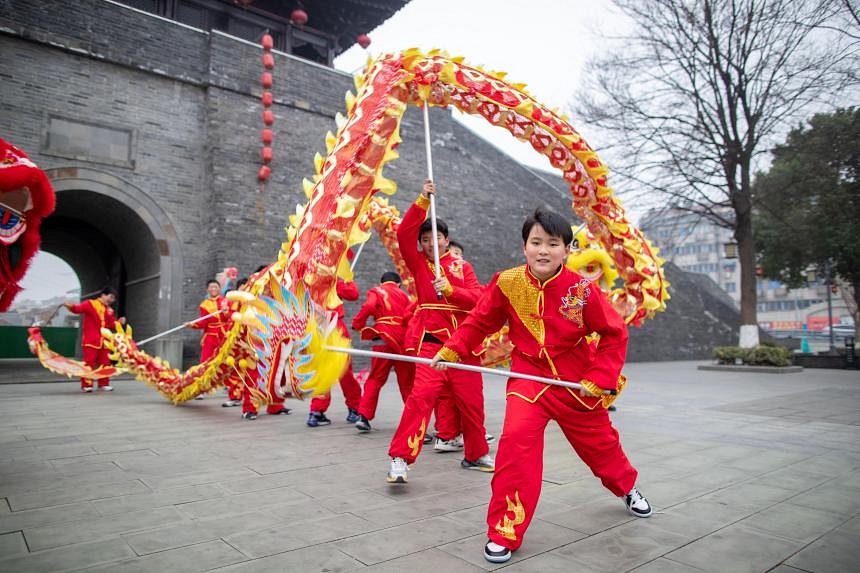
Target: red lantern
(267, 99)
(363, 40)
(268, 61)
(264, 173)
(299, 16)
(268, 117)
(266, 80)
(267, 42)
(267, 136)
(266, 154)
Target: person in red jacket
(549, 310)
(389, 307)
(97, 314)
(442, 304)
(346, 290)
(216, 309)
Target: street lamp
(731, 250)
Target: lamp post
(828, 270)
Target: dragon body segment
(342, 209)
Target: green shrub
(769, 356)
(728, 354)
(763, 355)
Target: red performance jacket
(346, 290)
(389, 307)
(218, 324)
(438, 318)
(548, 324)
(96, 317)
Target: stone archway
(111, 232)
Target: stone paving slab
(746, 471)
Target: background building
(697, 245)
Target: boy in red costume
(389, 307)
(214, 326)
(549, 309)
(98, 314)
(346, 290)
(435, 319)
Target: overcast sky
(541, 43)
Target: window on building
(731, 287)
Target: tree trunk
(746, 254)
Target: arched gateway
(111, 232)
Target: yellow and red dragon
(281, 324)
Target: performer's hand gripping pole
(458, 366)
(175, 328)
(432, 195)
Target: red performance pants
(447, 423)
(467, 390)
(519, 459)
(95, 357)
(209, 346)
(380, 368)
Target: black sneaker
(352, 416)
(249, 415)
(363, 424)
(428, 439)
(281, 411)
(317, 419)
(495, 553)
(636, 504)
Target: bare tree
(698, 90)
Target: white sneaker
(458, 441)
(397, 471)
(495, 553)
(441, 445)
(485, 463)
(87, 390)
(231, 403)
(106, 388)
(636, 503)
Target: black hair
(427, 227)
(260, 268)
(210, 281)
(554, 224)
(109, 290)
(453, 243)
(390, 277)
(241, 282)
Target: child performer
(388, 305)
(549, 310)
(98, 314)
(435, 319)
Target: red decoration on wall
(266, 154)
(299, 16)
(268, 61)
(268, 117)
(267, 136)
(264, 173)
(267, 42)
(267, 99)
(266, 80)
(363, 40)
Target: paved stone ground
(747, 472)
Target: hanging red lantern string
(363, 40)
(266, 80)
